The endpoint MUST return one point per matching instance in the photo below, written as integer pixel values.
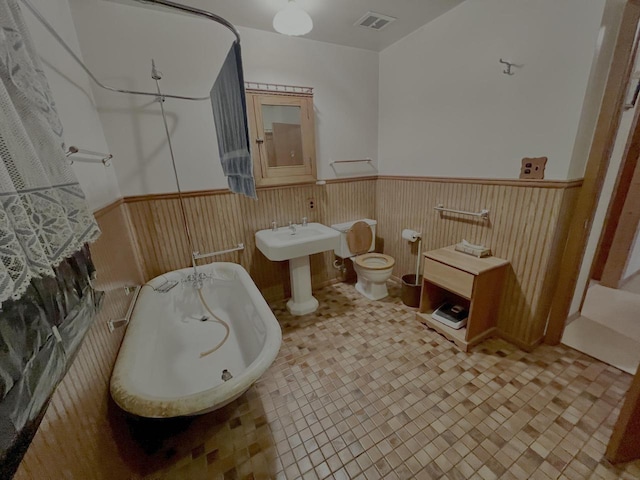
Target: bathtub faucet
(196, 279)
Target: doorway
(608, 324)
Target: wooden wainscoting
(78, 437)
(219, 220)
(144, 237)
(527, 225)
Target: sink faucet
(304, 221)
(274, 226)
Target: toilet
(357, 242)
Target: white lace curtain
(43, 214)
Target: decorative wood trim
(625, 212)
(624, 444)
(331, 181)
(262, 88)
(559, 233)
(597, 164)
(106, 209)
(577, 182)
(174, 195)
(620, 190)
(527, 347)
(225, 191)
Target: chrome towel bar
(121, 322)
(484, 213)
(73, 150)
(364, 160)
(198, 255)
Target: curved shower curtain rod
(164, 3)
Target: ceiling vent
(374, 21)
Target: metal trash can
(410, 292)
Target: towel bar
(484, 213)
(121, 322)
(198, 255)
(73, 150)
(364, 160)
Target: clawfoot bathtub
(166, 366)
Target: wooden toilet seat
(359, 238)
(385, 261)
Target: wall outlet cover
(533, 168)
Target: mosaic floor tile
(362, 390)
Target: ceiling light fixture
(292, 20)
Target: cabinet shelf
(474, 283)
(457, 336)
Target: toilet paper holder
(412, 236)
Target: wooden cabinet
(475, 283)
(281, 126)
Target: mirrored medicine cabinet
(281, 127)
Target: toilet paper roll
(410, 235)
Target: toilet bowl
(373, 269)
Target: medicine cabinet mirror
(281, 126)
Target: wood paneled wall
(78, 437)
(144, 237)
(527, 226)
(219, 220)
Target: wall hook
(508, 69)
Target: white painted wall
(73, 97)
(118, 42)
(446, 108)
(603, 55)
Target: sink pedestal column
(302, 301)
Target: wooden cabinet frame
(266, 175)
(475, 283)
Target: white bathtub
(159, 371)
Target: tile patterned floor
(608, 328)
(361, 390)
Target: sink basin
(296, 246)
(285, 244)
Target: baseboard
(571, 318)
(527, 347)
(327, 283)
(273, 295)
(628, 279)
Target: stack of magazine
(451, 315)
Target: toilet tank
(343, 249)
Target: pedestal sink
(296, 244)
